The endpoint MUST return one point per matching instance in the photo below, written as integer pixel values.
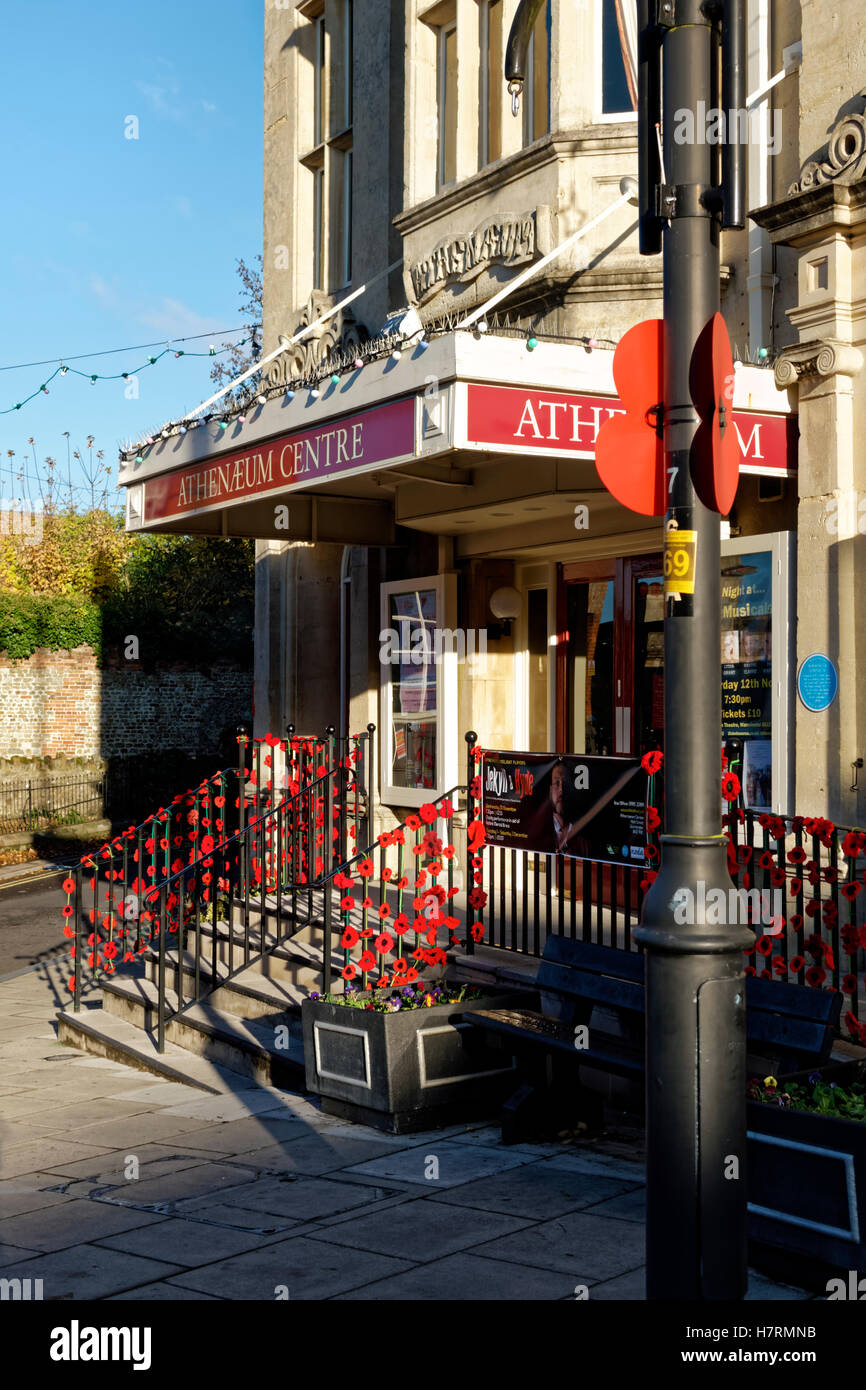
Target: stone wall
(61, 705)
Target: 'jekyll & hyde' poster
(580, 807)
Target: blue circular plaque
(817, 682)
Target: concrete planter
(404, 1071)
(807, 1189)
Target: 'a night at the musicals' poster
(580, 807)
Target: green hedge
(28, 621)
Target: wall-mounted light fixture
(505, 605)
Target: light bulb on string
(531, 343)
(335, 378)
(290, 395)
(358, 364)
(262, 400)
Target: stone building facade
(396, 173)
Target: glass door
(646, 584)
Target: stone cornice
(616, 137)
(826, 358)
(823, 205)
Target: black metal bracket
(687, 200)
(666, 14)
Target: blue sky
(107, 241)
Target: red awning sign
(350, 444)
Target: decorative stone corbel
(830, 357)
(843, 158)
(342, 333)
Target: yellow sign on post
(679, 561)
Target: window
(343, 220)
(331, 57)
(418, 683)
(618, 57)
(318, 227)
(491, 70)
(446, 70)
(348, 62)
(536, 104)
(320, 70)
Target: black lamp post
(695, 987)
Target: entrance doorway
(610, 656)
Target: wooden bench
(788, 1028)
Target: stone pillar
(267, 661)
(831, 573)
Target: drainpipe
(345, 586)
(761, 278)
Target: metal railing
(298, 803)
(28, 804)
(818, 870)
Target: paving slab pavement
(119, 1185)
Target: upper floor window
(446, 74)
(319, 78)
(329, 161)
(491, 69)
(536, 103)
(618, 57)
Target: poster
(747, 589)
(580, 806)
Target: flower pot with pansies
(806, 1174)
(403, 1059)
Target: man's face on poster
(557, 788)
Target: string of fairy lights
(64, 369)
(331, 371)
(338, 365)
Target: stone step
(239, 1039)
(105, 1035)
(257, 993)
(295, 962)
